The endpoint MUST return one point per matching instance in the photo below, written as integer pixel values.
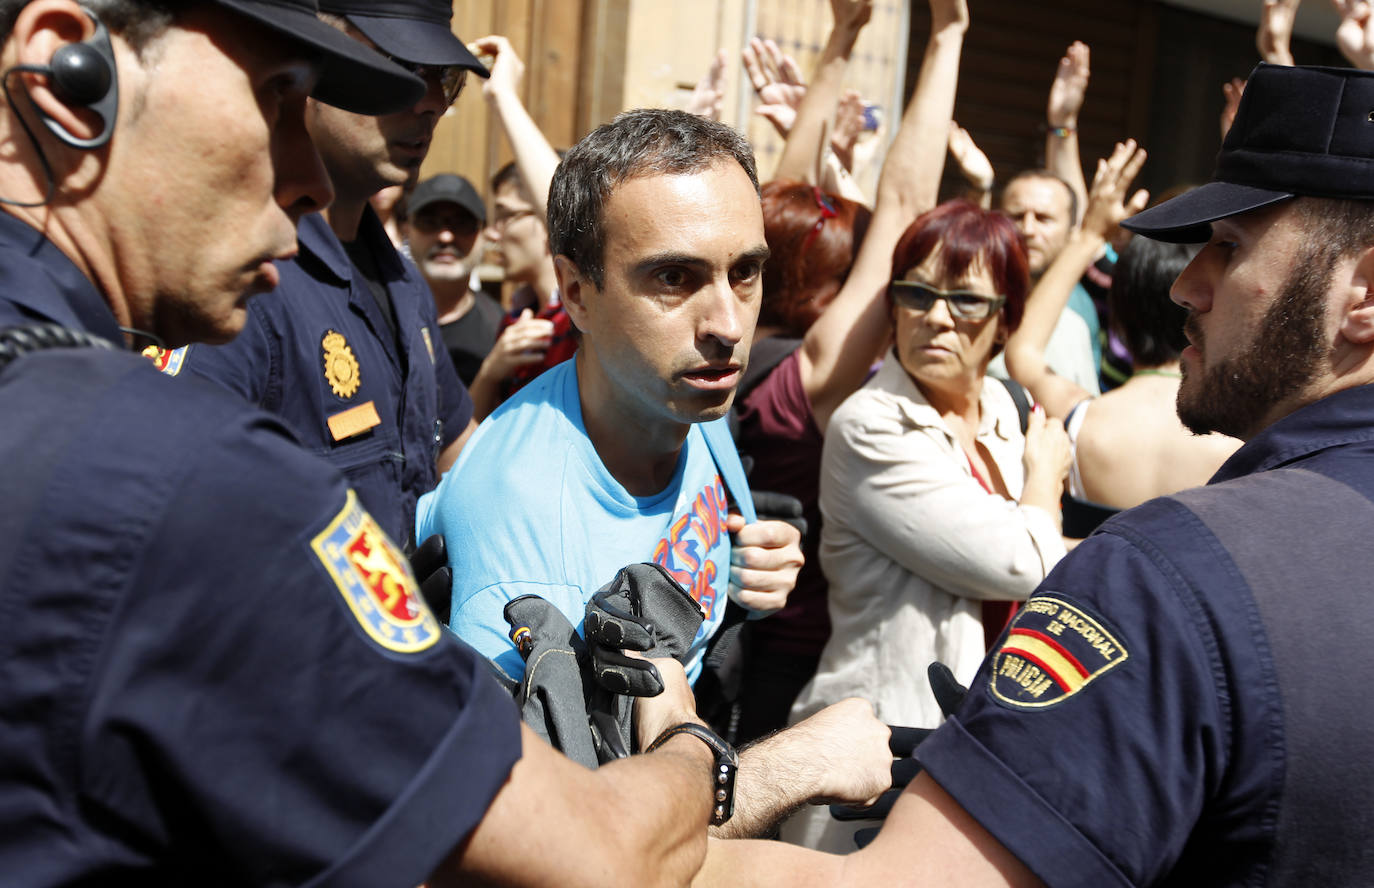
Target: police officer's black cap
(352, 76)
(418, 31)
(447, 188)
(1298, 131)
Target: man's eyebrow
(758, 254)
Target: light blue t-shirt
(530, 509)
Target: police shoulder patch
(375, 580)
(169, 361)
(1052, 651)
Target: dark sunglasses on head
(963, 304)
(451, 77)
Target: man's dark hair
(636, 143)
(1048, 174)
(1344, 227)
(1148, 323)
(137, 21)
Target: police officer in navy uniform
(1183, 700)
(348, 349)
(217, 667)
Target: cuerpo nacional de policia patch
(169, 361)
(1052, 651)
(375, 581)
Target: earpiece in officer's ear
(82, 75)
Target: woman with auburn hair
(933, 499)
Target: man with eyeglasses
(348, 349)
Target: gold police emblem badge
(340, 367)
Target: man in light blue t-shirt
(607, 459)
(621, 455)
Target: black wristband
(722, 775)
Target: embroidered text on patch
(1052, 651)
(375, 581)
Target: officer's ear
(574, 288)
(1357, 305)
(41, 29)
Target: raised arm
(841, 345)
(1107, 206)
(974, 165)
(801, 155)
(1276, 31)
(534, 156)
(1061, 115)
(1355, 33)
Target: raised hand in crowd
(709, 95)
(974, 165)
(777, 81)
(534, 156)
(1061, 116)
(849, 125)
(1355, 33)
(1276, 31)
(1232, 92)
(1046, 459)
(1107, 206)
(523, 342)
(804, 151)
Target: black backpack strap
(1020, 397)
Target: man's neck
(345, 217)
(640, 452)
(452, 299)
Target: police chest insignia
(1053, 650)
(168, 361)
(429, 343)
(340, 367)
(375, 581)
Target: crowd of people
(325, 565)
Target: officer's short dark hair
(636, 143)
(1142, 315)
(1052, 176)
(137, 21)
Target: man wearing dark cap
(217, 667)
(348, 350)
(1183, 701)
(444, 216)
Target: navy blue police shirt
(320, 353)
(217, 669)
(1183, 700)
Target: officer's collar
(38, 276)
(1340, 418)
(319, 243)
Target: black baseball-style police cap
(417, 31)
(352, 76)
(1298, 131)
(447, 188)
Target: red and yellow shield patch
(375, 580)
(1051, 652)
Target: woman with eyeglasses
(822, 324)
(934, 501)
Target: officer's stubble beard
(1235, 396)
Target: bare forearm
(773, 781)
(806, 141)
(1062, 159)
(1025, 352)
(746, 864)
(534, 156)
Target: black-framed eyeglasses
(451, 78)
(963, 304)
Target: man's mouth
(713, 378)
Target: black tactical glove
(429, 563)
(643, 609)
